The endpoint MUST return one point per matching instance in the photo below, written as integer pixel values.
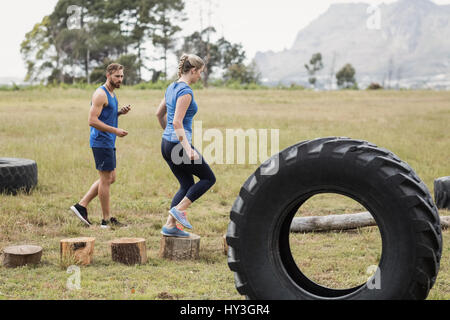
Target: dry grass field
(50, 127)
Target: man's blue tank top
(173, 93)
(110, 116)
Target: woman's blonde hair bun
(189, 62)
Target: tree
(315, 65)
(37, 53)
(134, 18)
(230, 54)
(76, 43)
(196, 44)
(346, 77)
(232, 61)
(131, 69)
(105, 31)
(244, 74)
(131, 65)
(165, 14)
(220, 55)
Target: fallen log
(342, 222)
(445, 222)
(225, 245)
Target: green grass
(50, 126)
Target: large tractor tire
(17, 175)
(258, 235)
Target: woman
(175, 114)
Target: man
(103, 120)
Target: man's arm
(124, 111)
(161, 114)
(99, 100)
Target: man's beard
(116, 85)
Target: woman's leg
(196, 191)
(185, 179)
(189, 192)
(207, 179)
(180, 201)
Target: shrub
(374, 86)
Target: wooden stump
(180, 248)
(17, 256)
(225, 245)
(129, 251)
(442, 193)
(77, 251)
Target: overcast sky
(260, 25)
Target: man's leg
(107, 178)
(92, 193)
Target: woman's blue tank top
(173, 93)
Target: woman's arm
(161, 114)
(183, 104)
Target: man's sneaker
(105, 224)
(116, 223)
(180, 217)
(81, 213)
(112, 223)
(175, 232)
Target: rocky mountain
(405, 43)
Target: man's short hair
(113, 68)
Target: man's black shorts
(105, 159)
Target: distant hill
(411, 48)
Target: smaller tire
(17, 175)
(442, 193)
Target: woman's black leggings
(184, 169)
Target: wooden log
(225, 245)
(129, 251)
(180, 248)
(77, 251)
(445, 222)
(17, 256)
(333, 222)
(342, 222)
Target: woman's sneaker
(180, 217)
(81, 213)
(174, 232)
